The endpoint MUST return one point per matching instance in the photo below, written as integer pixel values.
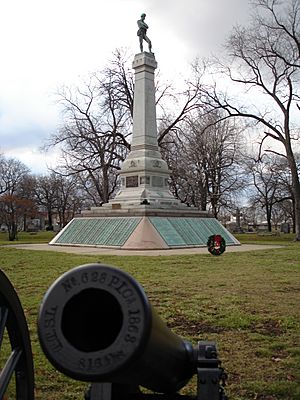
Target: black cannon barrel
(97, 325)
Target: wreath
(216, 245)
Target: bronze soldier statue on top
(142, 33)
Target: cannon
(97, 325)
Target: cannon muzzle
(96, 324)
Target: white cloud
(46, 44)
(37, 161)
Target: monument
(144, 213)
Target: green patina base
(174, 232)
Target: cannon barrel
(96, 324)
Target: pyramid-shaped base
(142, 232)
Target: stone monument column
(144, 136)
(144, 174)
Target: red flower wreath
(216, 245)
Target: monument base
(142, 228)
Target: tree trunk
(295, 189)
(293, 216)
(269, 218)
(105, 185)
(297, 218)
(12, 232)
(25, 222)
(50, 220)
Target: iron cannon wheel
(16, 363)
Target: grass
(248, 302)
(27, 237)
(266, 238)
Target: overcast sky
(46, 44)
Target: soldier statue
(142, 33)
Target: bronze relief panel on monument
(132, 181)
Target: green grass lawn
(27, 237)
(266, 238)
(248, 302)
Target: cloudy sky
(46, 44)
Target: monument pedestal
(144, 174)
(135, 230)
(144, 214)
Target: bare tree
(26, 190)
(97, 123)
(264, 60)
(12, 205)
(46, 195)
(182, 104)
(269, 188)
(93, 137)
(13, 172)
(68, 199)
(204, 158)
